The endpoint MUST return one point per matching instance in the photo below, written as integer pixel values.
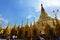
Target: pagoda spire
(30, 24)
(42, 9)
(14, 26)
(43, 16)
(8, 30)
(27, 22)
(8, 26)
(18, 26)
(27, 26)
(22, 24)
(34, 20)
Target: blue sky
(14, 11)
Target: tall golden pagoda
(27, 29)
(44, 17)
(22, 30)
(8, 30)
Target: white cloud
(30, 16)
(47, 3)
(33, 16)
(50, 3)
(3, 20)
(38, 8)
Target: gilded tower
(44, 17)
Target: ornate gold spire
(43, 15)
(8, 26)
(1, 30)
(27, 22)
(8, 29)
(22, 24)
(15, 28)
(15, 25)
(18, 26)
(30, 24)
(34, 20)
(42, 9)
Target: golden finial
(8, 23)
(42, 9)
(8, 26)
(22, 24)
(30, 24)
(14, 26)
(41, 5)
(34, 20)
(27, 22)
